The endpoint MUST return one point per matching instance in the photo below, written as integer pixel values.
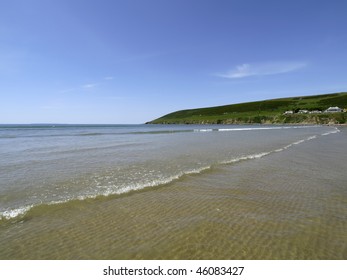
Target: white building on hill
(333, 110)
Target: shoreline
(246, 210)
(296, 110)
(244, 123)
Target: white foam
(261, 128)
(247, 128)
(114, 189)
(241, 158)
(311, 137)
(154, 183)
(260, 155)
(297, 142)
(203, 130)
(250, 128)
(13, 213)
(331, 132)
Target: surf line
(263, 154)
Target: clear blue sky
(130, 61)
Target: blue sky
(130, 61)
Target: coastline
(244, 123)
(296, 119)
(318, 109)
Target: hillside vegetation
(266, 112)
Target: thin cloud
(262, 69)
(108, 78)
(78, 88)
(89, 85)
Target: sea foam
(13, 213)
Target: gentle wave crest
(331, 132)
(108, 191)
(10, 214)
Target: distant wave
(331, 132)
(250, 128)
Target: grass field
(267, 111)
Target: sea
(173, 192)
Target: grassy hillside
(267, 111)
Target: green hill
(267, 111)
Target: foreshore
(289, 204)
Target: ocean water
(172, 192)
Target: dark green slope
(267, 111)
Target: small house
(333, 110)
(288, 113)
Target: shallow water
(176, 192)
